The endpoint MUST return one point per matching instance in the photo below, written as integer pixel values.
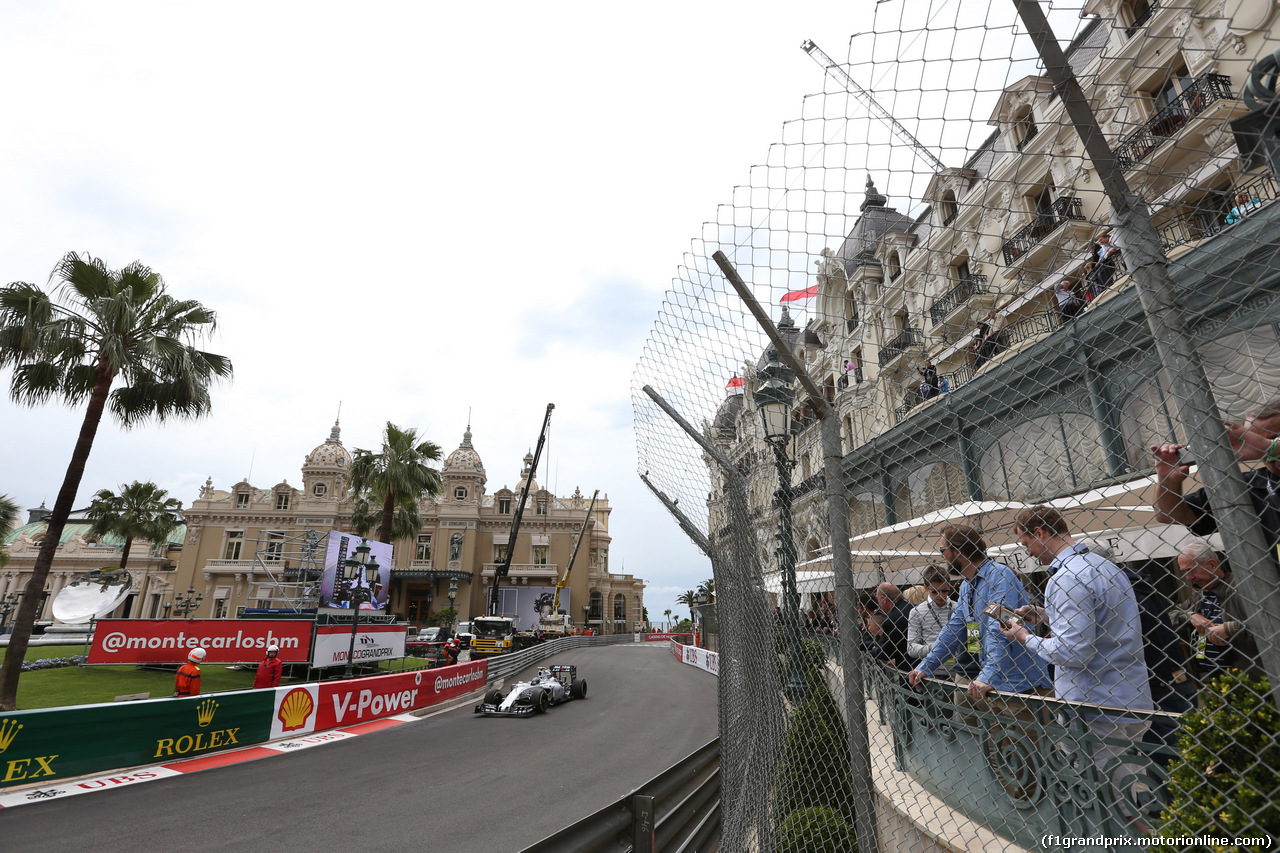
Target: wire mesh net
(1023, 276)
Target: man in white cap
(269, 670)
(187, 681)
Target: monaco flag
(735, 382)
(797, 295)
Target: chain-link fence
(994, 328)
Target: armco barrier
(694, 656)
(59, 742)
(47, 744)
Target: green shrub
(815, 831)
(814, 771)
(1227, 782)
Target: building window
(319, 490)
(604, 559)
(947, 207)
(542, 506)
(424, 547)
(264, 604)
(242, 500)
(460, 493)
(895, 266)
(235, 542)
(504, 506)
(275, 546)
(219, 608)
(619, 607)
(1024, 129)
(282, 500)
(597, 606)
(539, 555)
(499, 553)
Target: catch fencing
(995, 323)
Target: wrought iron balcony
(1063, 210)
(956, 296)
(1199, 224)
(1194, 100)
(1031, 133)
(1141, 20)
(851, 325)
(900, 344)
(853, 377)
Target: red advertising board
(127, 641)
(343, 703)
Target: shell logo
(296, 706)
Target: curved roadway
(451, 782)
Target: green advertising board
(56, 743)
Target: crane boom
(852, 87)
(564, 581)
(504, 567)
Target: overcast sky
(411, 209)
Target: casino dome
(464, 460)
(331, 454)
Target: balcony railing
(851, 325)
(1031, 133)
(1196, 225)
(1141, 20)
(900, 344)
(1063, 210)
(850, 377)
(1194, 100)
(1032, 326)
(956, 296)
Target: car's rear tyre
(542, 703)
(578, 688)
(493, 697)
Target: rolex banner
(37, 746)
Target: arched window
(866, 512)
(1024, 128)
(619, 608)
(1050, 455)
(947, 207)
(597, 606)
(930, 487)
(895, 266)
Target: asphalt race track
(454, 782)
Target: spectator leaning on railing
(1004, 665)
(1095, 641)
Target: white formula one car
(551, 686)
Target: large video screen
(336, 593)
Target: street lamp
(773, 398)
(7, 605)
(586, 615)
(183, 605)
(353, 569)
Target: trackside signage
(374, 643)
(125, 641)
(694, 656)
(40, 746)
(343, 703)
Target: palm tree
(686, 598)
(8, 521)
(667, 613)
(365, 517)
(397, 478)
(71, 346)
(140, 511)
(708, 586)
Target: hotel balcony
(910, 339)
(1063, 210)
(948, 304)
(1197, 98)
(527, 571)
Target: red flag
(796, 295)
(735, 382)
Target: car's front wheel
(493, 697)
(542, 702)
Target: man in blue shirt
(1096, 641)
(1004, 665)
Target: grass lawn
(74, 685)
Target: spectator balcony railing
(1194, 100)
(956, 296)
(848, 378)
(900, 344)
(1032, 326)
(1196, 225)
(1027, 779)
(1141, 20)
(1062, 211)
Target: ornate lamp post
(7, 606)
(184, 604)
(453, 595)
(774, 398)
(586, 615)
(353, 569)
